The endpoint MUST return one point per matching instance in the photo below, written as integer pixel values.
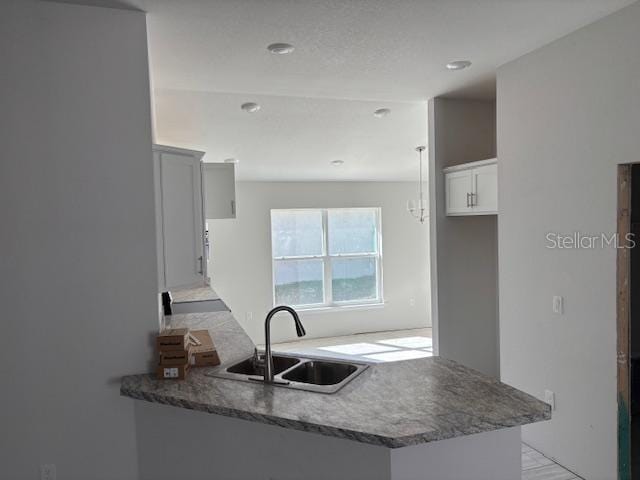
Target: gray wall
(567, 115)
(464, 262)
(78, 254)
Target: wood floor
(399, 344)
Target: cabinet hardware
(233, 207)
(200, 269)
(468, 200)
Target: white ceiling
(357, 49)
(295, 138)
(208, 57)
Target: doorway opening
(628, 322)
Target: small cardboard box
(176, 372)
(174, 357)
(173, 339)
(205, 354)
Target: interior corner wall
(568, 114)
(78, 257)
(241, 268)
(464, 263)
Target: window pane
(299, 282)
(353, 279)
(296, 233)
(352, 231)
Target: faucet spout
(268, 358)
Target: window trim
(328, 304)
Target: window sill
(341, 308)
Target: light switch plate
(558, 304)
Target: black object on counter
(166, 302)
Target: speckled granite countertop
(229, 338)
(391, 404)
(194, 294)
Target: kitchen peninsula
(428, 419)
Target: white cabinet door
(180, 185)
(485, 191)
(219, 182)
(458, 188)
(472, 188)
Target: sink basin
(299, 373)
(246, 367)
(319, 372)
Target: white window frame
(329, 303)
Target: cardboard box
(176, 372)
(173, 339)
(205, 354)
(174, 357)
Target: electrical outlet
(558, 304)
(550, 398)
(412, 302)
(249, 317)
(48, 472)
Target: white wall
(78, 254)
(241, 266)
(225, 448)
(567, 115)
(464, 254)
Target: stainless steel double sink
(296, 372)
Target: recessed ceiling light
(231, 160)
(381, 112)
(281, 48)
(337, 163)
(250, 107)
(458, 65)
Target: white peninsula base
(177, 443)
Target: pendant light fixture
(417, 208)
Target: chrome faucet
(268, 358)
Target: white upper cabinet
(472, 188)
(485, 189)
(180, 221)
(219, 190)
